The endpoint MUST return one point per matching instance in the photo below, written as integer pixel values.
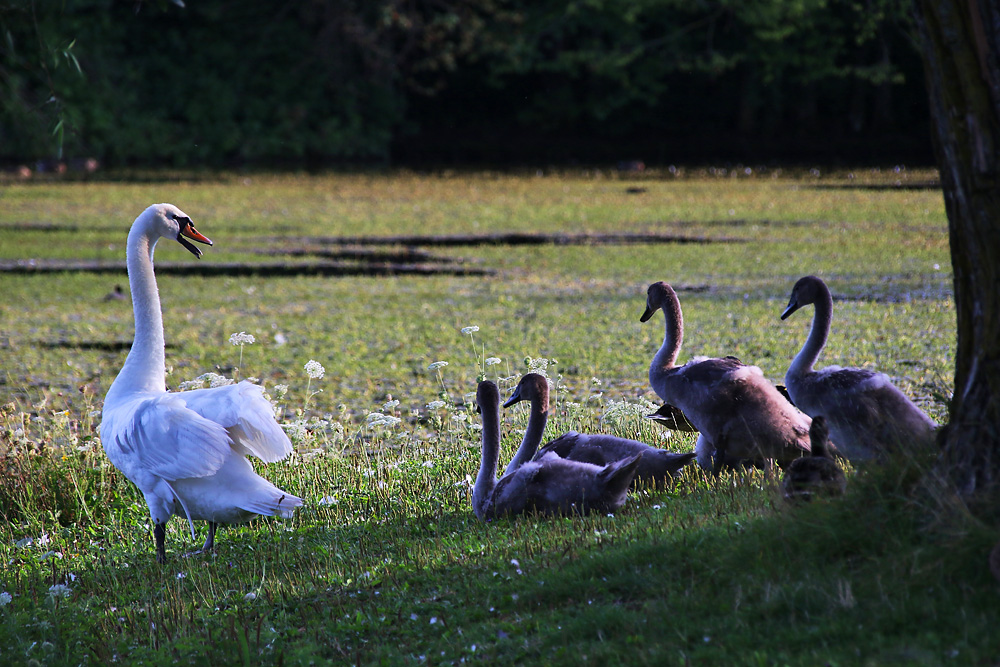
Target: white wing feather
(246, 414)
(165, 438)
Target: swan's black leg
(210, 540)
(720, 456)
(159, 535)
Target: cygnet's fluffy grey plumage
(738, 413)
(657, 465)
(547, 485)
(816, 475)
(867, 415)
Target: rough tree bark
(961, 53)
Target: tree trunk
(961, 53)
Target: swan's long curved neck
(144, 369)
(666, 357)
(537, 419)
(818, 332)
(486, 479)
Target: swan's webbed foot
(159, 535)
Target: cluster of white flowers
(390, 404)
(60, 591)
(468, 331)
(5, 599)
(493, 361)
(315, 370)
(296, 430)
(379, 419)
(437, 365)
(280, 390)
(539, 365)
(242, 338)
(435, 405)
(618, 411)
(213, 380)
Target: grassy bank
(385, 562)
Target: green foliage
(221, 83)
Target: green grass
(386, 563)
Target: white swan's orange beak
(187, 229)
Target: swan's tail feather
(273, 502)
(619, 475)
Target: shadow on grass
(871, 578)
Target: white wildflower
(493, 361)
(5, 599)
(437, 365)
(435, 405)
(327, 500)
(390, 404)
(182, 575)
(379, 419)
(459, 417)
(280, 390)
(242, 338)
(470, 330)
(315, 370)
(296, 430)
(250, 597)
(60, 591)
(213, 380)
(216, 380)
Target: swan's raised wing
(162, 436)
(249, 417)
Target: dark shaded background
(219, 83)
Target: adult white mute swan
(657, 465)
(185, 451)
(547, 485)
(868, 416)
(738, 413)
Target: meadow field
(385, 562)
